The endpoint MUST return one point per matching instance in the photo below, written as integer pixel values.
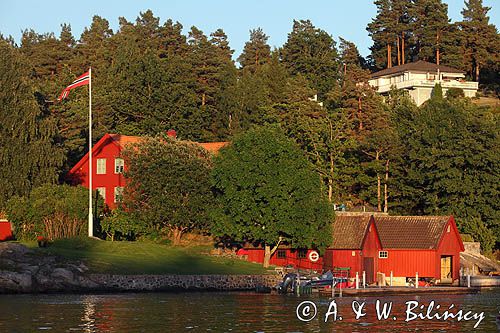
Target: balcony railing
(428, 84)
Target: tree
(450, 162)
(168, 185)
(382, 30)
(256, 51)
(267, 193)
(311, 52)
(29, 155)
(481, 37)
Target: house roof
(411, 232)
(349, 231)
(123, 140)
(418, 66)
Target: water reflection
(223, 312)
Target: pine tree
(481, 37)
(430, 29)
(28, 154)
(311, 52)
(256, 51)
(384, 34)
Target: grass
(146, 258)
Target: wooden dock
(384, 291)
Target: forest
(386, 154)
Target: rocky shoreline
(25, 271)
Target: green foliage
(53, 211)
(256, 51)
(455, 93)
(29, 155)
(123, 225)
(478, 230)
(266, 190)
(168, 186)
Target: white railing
(427, 84)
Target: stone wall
(181, 282)
(472, 247)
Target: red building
(108, 165)
(355, 245)
(5, 230)
(429, 245)
(403, 245)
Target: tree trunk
(437, 49)
(203, 99)
(399, 52)
(330, 180)
(360, 112)
(176, 235)
(402, 47)
(386, 194)
(379, 197)
(477, 72)
(389, 60)
(267, 255)
(256, 58)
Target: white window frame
(102, 192)
(383, 254)
(118, 194)
(119, 165)
(100, 166)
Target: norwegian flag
(80, 81)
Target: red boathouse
(108, 165)
(427, 245)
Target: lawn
(147, 258)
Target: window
(383, 254)
(302, 254)
(449, 228)
(281, 254)
(353, 253)
(102, 192)
(119, 164)
(101, 166)
(118, 193)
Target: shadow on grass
(148, 258)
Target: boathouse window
(302, 254)
(119, 164)
(118, 193)
(101, 166)
(353, 253)
(281, 254)
(449, 228)
(102, 192)
(383, 254)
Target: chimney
(172, 133)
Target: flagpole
(91, 217)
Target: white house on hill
(419, 78)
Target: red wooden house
(108, 165)
(355, 245)
(427, 245)
(5, 230)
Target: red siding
(5, 230)
(407, 262)
(344, 258)
(110, 179)
(257, 255)
(450, 245)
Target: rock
(63, 274)
(15, 282)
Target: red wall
(450, 245)
(406, 262)
(257, 255)
(5, 230)
(110, 180)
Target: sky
(344, 18)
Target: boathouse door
(368, 268)
(446, 269)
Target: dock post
(391, 279)
(298, 283)
(333, 287)
(468, 280)
(340, 288)
(364, 279)
(357, 280)
(416, 280)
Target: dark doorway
(368, 268)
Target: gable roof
(418, 66)
(349, 231)
(411, 232)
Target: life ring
(313, 256)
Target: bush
(52, 211)
(122, 225)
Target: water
(226, 312)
